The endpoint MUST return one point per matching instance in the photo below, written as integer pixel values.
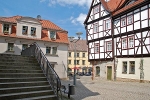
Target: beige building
(82, 64)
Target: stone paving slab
(100, 89)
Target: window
(124, 69)
(54, 50)
(33, 31)
(69, 61)
(83, 62)
(108, 24)
(78, 62)
(74, 61)
(96, 9)
(132, 67)
(106, 0)
(69, 54)
(48, 50)
(24, 30)
(95, 27)
(51, 50)
(83, 54)
(96, 48)
(6, 28)
(24, 46)
(77, 54)
(124, 43)
(109, 45)
(52, 34)
(130, 20)
(10, 46)
(123, 22)
(131, 42)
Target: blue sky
(68, 14)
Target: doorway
(109, 72)
(97, 71)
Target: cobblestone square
(101, 89)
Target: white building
(17, 33)
(118, 35)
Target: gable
(29, 20)
(97, 10)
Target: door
(97, 71)
(109, 72)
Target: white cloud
(79, 20)
(69, 2)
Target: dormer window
(33, 31)
(107, 0)
(24, 30)
(52, 34)
(6, 28)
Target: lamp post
(74, 41)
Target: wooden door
(109, 72)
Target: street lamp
(74, 41)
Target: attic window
(52, 34)
(33, 31)
(130, 2)
(6, 28)
(107, 0)
(24, 30)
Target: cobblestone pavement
(100, 89)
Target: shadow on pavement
(81, 91)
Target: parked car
(87, 74)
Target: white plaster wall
(137, 70)
(29, 24)
(103, 68)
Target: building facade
(82, 64)
(18, 32)
(119, 39)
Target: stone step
(18, 63)
(23, 84)
(19, 75)
(18, 60)
(22, 95)
(24, 89)
(47, 97)
(23, 79)
(19, 71)
(26, 67)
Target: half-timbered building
(118, 37)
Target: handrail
(49, 72)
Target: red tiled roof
(61, 35)
(80, 46)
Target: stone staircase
(21, 78)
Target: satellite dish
(39, 17)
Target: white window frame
(123, 22)
(107, 24)
(109, 45)
(6, 28)
(130, 19)
(54, 34)
(124, 43)
(96, 9)
(131, 42)
(51, 50)
(10, 48)
(33, 31)
(132, 66)
(24, 30)
(95, 27)
(124, 71)
(96, 48)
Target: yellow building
(82, 64)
